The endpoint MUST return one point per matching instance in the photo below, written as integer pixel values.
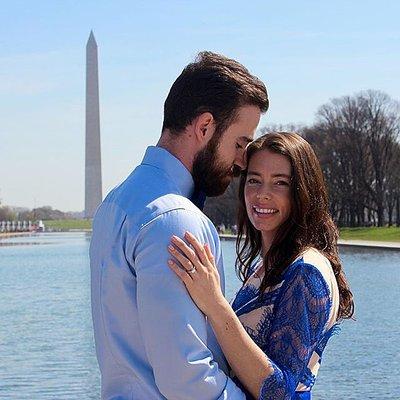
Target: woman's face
(267, 191)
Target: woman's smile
(263, 212)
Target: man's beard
(209, 174)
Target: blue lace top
(292, 323)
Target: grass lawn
(66, 224)
(383, 234)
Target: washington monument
(93, 190)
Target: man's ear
(204, 127)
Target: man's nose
(241, 159)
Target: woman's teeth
(265, 210)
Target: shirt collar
(161, 158)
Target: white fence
(17, 226)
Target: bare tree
(393, 190)
(341, 127)
(382, 135)
(356, 137)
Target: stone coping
(345, 243)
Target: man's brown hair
(212, 83)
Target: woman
(294, 289)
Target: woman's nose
(263, 196)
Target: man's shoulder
(175, 214)
(145, 200)
(154, 236)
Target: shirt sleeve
(173, 329)
(301, 313)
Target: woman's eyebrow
(278, 175)
(253, 173)
(281, 176)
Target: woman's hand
(197, 270)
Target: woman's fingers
(209, 254)
(184, 276)
(199, 249)
(199, 258)
(181, 258)
(210, 257)
(184, 248)
(201, 280)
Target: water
(46, 340)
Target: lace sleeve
(301, 314)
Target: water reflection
(47, 348)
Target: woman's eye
(282, 183)
(252, 181)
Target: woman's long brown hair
(309, 224)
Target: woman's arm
(246, 359)
(300, 315)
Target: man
(151, 340)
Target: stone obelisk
(93, 190)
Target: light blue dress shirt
(152, 342)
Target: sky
(306, 52)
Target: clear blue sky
(305, 51)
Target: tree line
(40, 213)
(356, 139)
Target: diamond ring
(191, 271)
